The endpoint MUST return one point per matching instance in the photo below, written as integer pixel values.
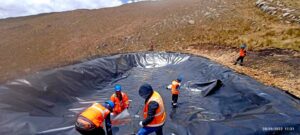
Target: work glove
(141, 124)
(169, 87)
(112, 114)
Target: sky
(16, 8)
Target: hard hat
(118, 87)
(179, 78)
(243, 46)
(109, 104)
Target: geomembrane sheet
(48, 102)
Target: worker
(154, 111)
(243, 53)
(151, 46)
(175, 86)
(120, 99)
(90, 121)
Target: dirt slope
(211, 28)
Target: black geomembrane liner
(214, 100)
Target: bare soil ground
(273, 67)
(213, 29)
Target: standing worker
(243, 53)
(154, 111)
(151, 46)
(175, 86)
(120, 99)
(90, 121)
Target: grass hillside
(213, 28)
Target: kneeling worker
(120, 99)
(90, 121)
(154, 111)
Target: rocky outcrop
(277, 8)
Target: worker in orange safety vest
(243, 54)
(90, 121)
(175, 86)
(154, 111)
(120, 99)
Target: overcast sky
(15, 8)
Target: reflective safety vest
(120, 105)
(96, 114)
(175, 87)
(160, 114)
(242, 52)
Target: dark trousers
(174, 99)
(241, 58)
(95, 131)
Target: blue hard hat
(118, 87)
(109, 104)
(180, 78)
(243, 46)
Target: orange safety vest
(96, 114)
(174, 87)
(160, 114)
(242, 52)
(120, 105)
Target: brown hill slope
(209, 28)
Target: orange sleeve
(112, 98)
(117, 110)
(126, 100)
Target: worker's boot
(174, 105)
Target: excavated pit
(48, 102)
